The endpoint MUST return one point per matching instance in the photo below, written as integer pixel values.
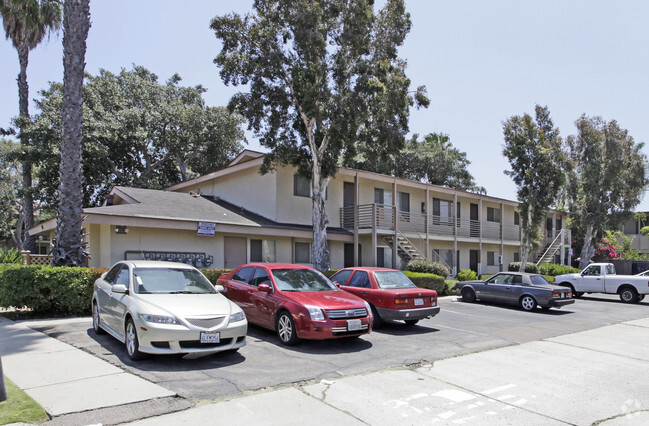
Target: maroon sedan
(390, 293)
(296, 301)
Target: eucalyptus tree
(26, 23)
(535, 153)
(321, 76)
(69, 248)
(607, 178)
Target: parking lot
(460, 328)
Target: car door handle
(508, 288)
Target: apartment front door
(235, 252)
(474, 258)
(349, 255)
(474, 226)
(348, 204)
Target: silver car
(165, 308)
(525, 290)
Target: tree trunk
(527, 238)
(319, 249)
(70, 247)
(27, 242)
(588, 250)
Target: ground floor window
(446, 256)
(262, 250)
(491, 258)
(517, 256)
(302, 252)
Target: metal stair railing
(553, 247)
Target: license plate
(210, 337)
(419, 301)
(353, 325)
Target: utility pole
(3, 390)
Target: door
(498, 288)
(591, 280)
(235, 253)
(404, 206)
(349, 255)
(348, 204)
(474, 258)
(115, 307)
(262, 304)
(475, 224)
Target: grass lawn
(19, 407)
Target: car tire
(628, 295)
(96, 320)
(468, 295)
(286, 331)
(527, 303)
(410, 323)
(377, 321)
(131, 341)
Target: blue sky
(481, 62)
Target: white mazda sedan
(165, 308)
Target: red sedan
(390, 293)
(296, 301)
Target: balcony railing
(381, 217)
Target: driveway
(460, 328)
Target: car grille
(347, 313)
(342, 331)
(206, 323)
(196, 344)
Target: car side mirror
(219, 288)
(264, 288)
(119, 288)
(337, 285)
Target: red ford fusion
(296, 301)
(390, 293)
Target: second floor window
(301, 186)
(493, 214)
(517, 218)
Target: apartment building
(235, 215)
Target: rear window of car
(393, 279)
(538, 280)
(170, 281)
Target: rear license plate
(210, 337)
(419, 301)
(353, 325)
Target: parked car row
(168, 308)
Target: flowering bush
(606, 247)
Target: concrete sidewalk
(600, 375)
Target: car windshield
(538, 280)
(301, 280)
(393, 279)
(170, 281)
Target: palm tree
(70, 247)
(26, 22)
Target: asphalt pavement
(596, 376)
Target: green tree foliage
(11, 218)
(607, 177)
(534, 150)
(322, 76)
(432, 160)
(136, 132)
(26, 23)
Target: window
(302, 252)
(442, 212)
(517, 219)
(517, 256)
(491, 258)
(244, 274)
(110, 276)
(446, 256)
(360, 279)
(260, 277)
(493, 214)
(262, 251)
(301, 186)
(341, 277)
(122, 277)
(379, 196)
(404, 202)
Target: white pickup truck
(601, 278)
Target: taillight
(400, 301)
(555, 294)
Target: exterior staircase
(407, 251)
(547, 254)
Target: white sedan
(165, 308)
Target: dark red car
(390, 293)
(296, 301)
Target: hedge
(214, 274)
(529, 267)
(48, 290)
(430, 281)
(428, 267)
(466, 275)
(553, 269)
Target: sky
(481, 62)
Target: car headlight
(239, 316)
(369, 309)
(159, 319)
(315, 312)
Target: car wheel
(132, 342)
(411, 322)
(528, 303)
(468, 295)
(286, 329)
(629, 295)
(377, 321)
(96, 320)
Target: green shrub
(330, 272)
(529, 267)
(466, 275)
(552, 269)
(48, 290)
(427, 267)
(214, 274)
(10, 255)
(429, 281)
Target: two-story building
(235, 215)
